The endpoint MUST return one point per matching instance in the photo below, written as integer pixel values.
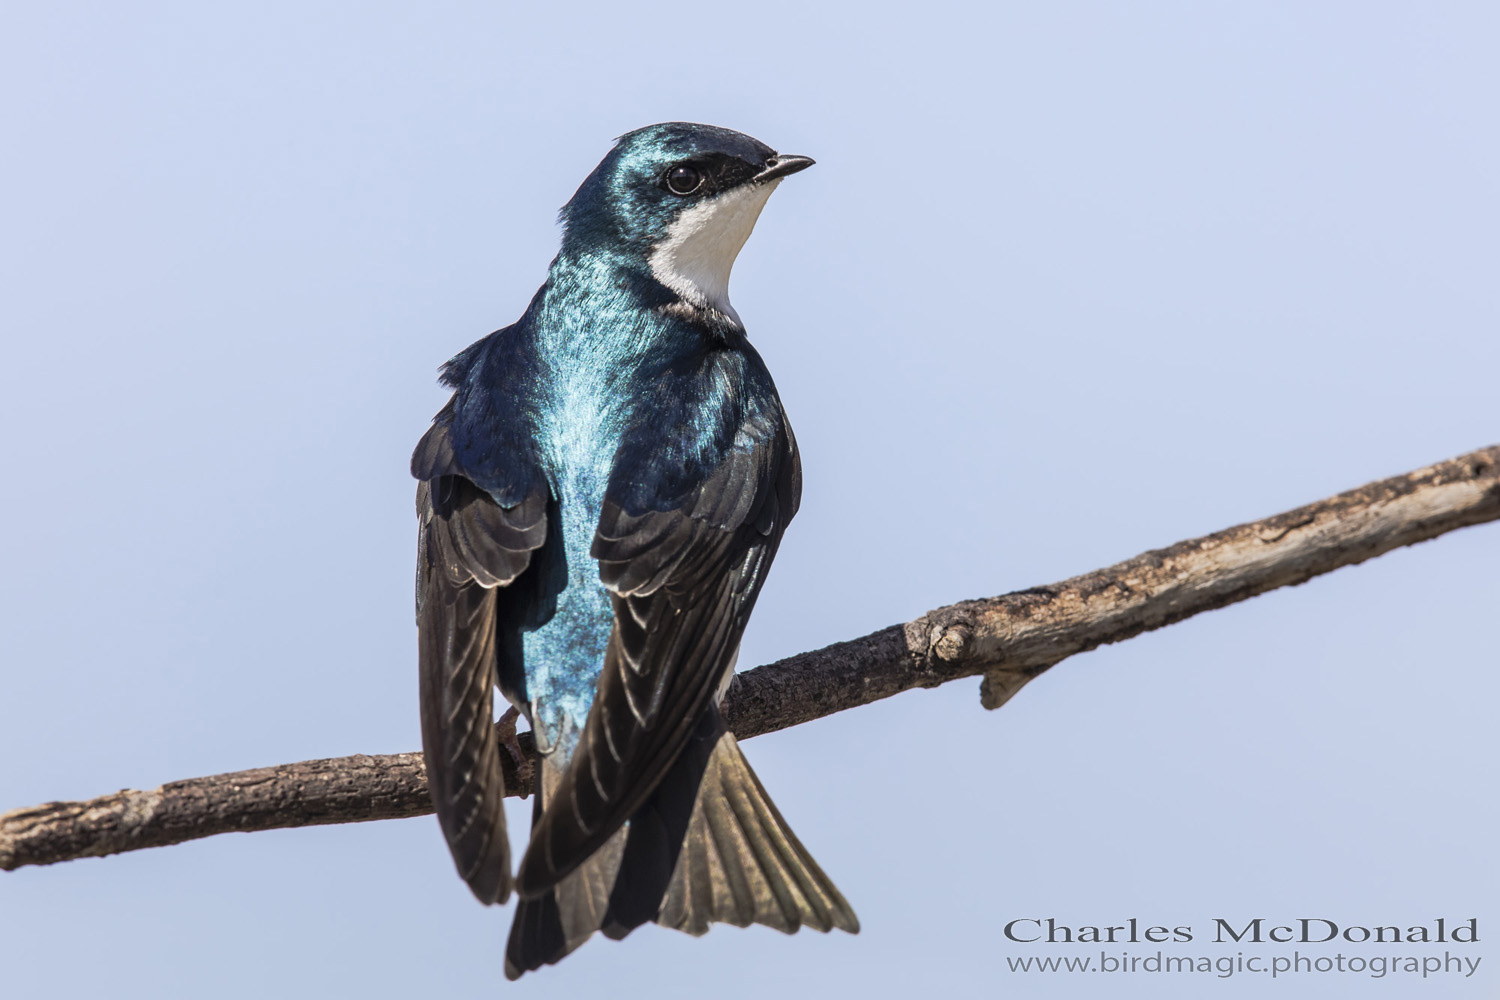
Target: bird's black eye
(683, 179)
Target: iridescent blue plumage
(600, 502)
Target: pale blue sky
(1069, 281)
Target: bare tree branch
(1009, 639)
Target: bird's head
(679, 199)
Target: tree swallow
(599, 503)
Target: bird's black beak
(781, 165)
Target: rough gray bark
(1008, 639)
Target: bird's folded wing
(469, 549)
(683, 581)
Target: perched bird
(599, 503)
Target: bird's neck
(614, 293)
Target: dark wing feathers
(479, 541)
(684, 581)
(433, 455)
(469, 548)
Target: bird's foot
(521, 767)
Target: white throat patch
(700, 247)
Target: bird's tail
(708, 847)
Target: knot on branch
(952, 643)
(939, 644)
